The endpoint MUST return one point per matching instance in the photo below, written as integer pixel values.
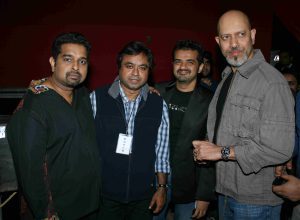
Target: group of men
(124, 152)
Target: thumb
(151, 203)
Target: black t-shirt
(220, 104)
(177, 107)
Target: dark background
(27, 29)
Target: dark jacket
(55, 154)
(130, 177)
(190, 181)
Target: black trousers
(114, 210)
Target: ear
(217, 40)
(52, 63)
(253, 33)
(200, 67)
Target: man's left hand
(290, 189)
(200, 210)
(158, 200)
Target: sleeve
(273, 143)
(296, 148)
(206, 182)
(162, 144)
(27, 137)
(93, 102)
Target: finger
(278, 170)
(277, 189)
(196, 143)
(198, 213)
(151, 204)
(286, 177)
(158, 208)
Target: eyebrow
(69, 55)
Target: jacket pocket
(243, 116)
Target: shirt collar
(115, 90)
(248, 67)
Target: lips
(74, 75)
(183, 72)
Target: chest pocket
(243, 116)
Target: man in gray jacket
(250, 125)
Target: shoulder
(164, 86)
(269, 74)
(204, 92)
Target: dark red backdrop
(27, 31)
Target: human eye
(177, 62)
(241, 34)
(83, 61)
(67, 59)
(224, 37)
(129, 65)
(191, 62)
(143, 67)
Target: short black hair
(189, 45)
(66, 38)
(135, 48)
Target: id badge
(124, 144)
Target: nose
(234, 42)
(136, 71)
(183, 65)
(75, 66)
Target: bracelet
(162, 185)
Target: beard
(73, 79)
(186, 78)
(237, 61)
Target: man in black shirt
(53, 139)
(192, 185)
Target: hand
(158, 200)
(204, 150)
(281, 169)
(200, 210)
(290, 189)
(153, 90)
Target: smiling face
(185, 66)
(133, 73)
(235, 38)
(71, 65)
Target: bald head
(232, 17)
(235, 38)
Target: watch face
(225, 152)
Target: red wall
(27, 30)
(25, 50)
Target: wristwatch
(225, 152)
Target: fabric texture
(189, 180)
(258, 121)
(135, 171)
(55, 153)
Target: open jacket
(190, 181)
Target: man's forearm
(161, 178)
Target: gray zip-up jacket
(258, 120)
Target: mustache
(235, 49)
(74, 73)
(134, 78)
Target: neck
(131, 94)
(233, 69)
(65, 92)
(186, 87)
